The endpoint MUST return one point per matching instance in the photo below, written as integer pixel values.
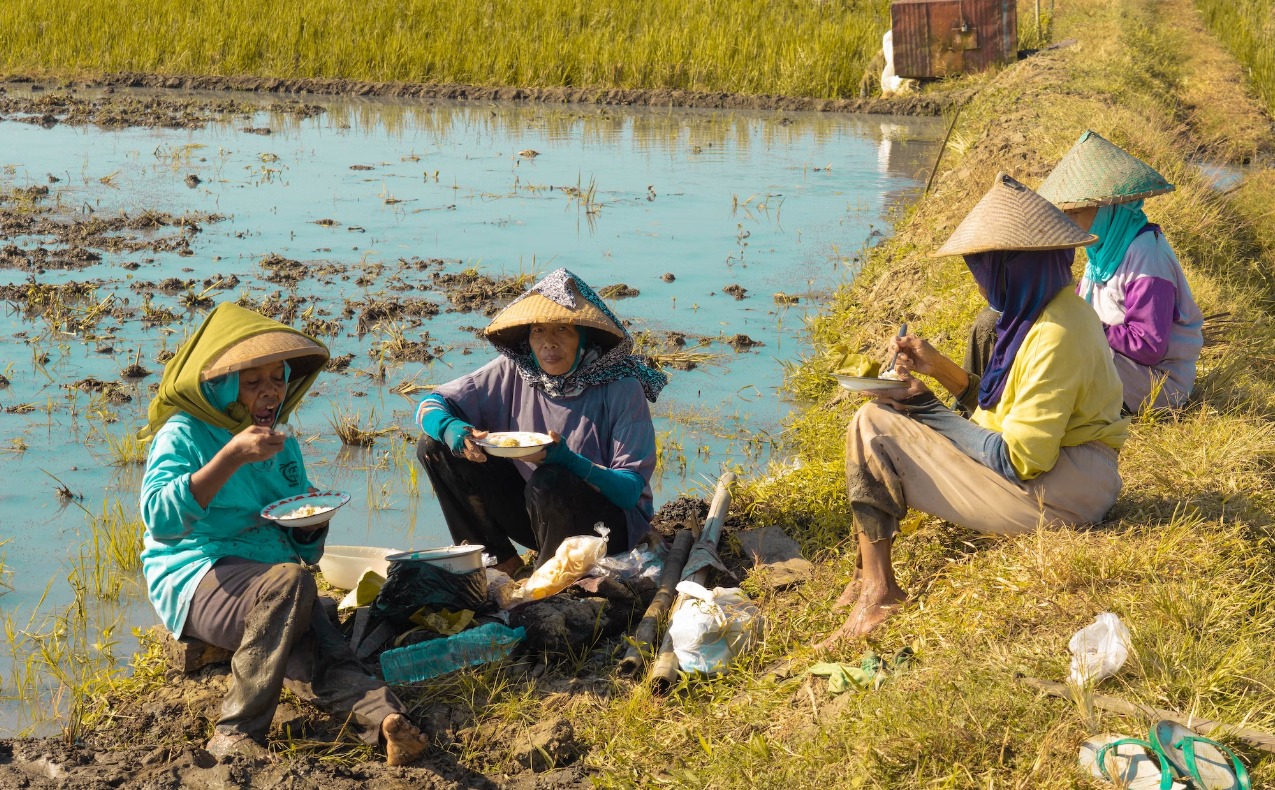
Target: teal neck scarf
(1116, 227)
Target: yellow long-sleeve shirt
(1063, 389)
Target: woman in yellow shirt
(1040, 449)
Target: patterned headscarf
(1019, 283)
(595, 365)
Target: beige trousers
(894, 463)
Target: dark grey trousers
(490, 503)
(280, 636)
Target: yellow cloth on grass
(1063, 389)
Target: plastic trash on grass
(1099, 649)
(712, 627)
(574, 558)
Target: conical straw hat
(511, 325)
(305, 356)
(1012, 217)
(1096, 172)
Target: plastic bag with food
(574, 558)
(711, 627)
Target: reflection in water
(768, 202)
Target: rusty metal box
(938, 38)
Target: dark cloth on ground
(491, 504)
(267, 614)
(978, 353)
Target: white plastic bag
(1099, 649)
(712, 627)
(574, 558)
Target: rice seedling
(353, 429)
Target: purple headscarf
(1019, 283)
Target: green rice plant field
(1247, 27)
(790, 47)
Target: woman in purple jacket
(565, 367)
(1133, 278)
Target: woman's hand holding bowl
(473, 451)
(909, 386)
(539, 458)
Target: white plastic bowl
(457, 559)
(343, 565)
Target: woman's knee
(288, 580)
(430, 449)
(549, 480)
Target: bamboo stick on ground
(1255, 738)
(644, 635)
(664, 671)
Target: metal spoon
(903, 331)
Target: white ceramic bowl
(327, 501)
(529, 443)
(343, 565)
(457, 559)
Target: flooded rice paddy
(393, 231)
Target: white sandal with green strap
(1201, 761)
(1127, 763)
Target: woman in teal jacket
(215, 569)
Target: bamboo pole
(644, 635)
(1255, 738)
(664, 671)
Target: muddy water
(755, 216)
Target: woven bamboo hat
(512, 325)
(304, 355)
(1097, 172)
(1012, 217)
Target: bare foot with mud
(850, 595)
(871, 611)
(404, 743)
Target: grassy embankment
(1247, 27)
(1186, 556)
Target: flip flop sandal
(1199, 760)
(1127, 763)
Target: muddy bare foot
(226, 744)
(869, 613)
(404, 743)
(850, 595)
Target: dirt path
(924, 104)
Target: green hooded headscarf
(227, 326)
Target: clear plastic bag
(712, 627)
(637, 563)
(574, 558)
(1099, 649)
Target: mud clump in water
(372, 311)
(742, 342)
(617, 291)
(469, 291)
(113, 391)
(339, 364)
